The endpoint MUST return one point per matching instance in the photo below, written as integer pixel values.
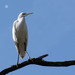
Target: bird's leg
(28, 55)
(18, 52)
(25, 49)
(18, 59)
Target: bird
(20, 35)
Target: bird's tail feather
(22, 54)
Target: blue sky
(51, 30)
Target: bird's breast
(21, 30)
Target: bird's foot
(17, 64)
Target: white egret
(20, 35)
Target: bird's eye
(23, 14)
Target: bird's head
(22, 14)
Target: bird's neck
(21, 18)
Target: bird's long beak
(28, 13)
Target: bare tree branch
(38, 61)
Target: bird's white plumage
(20, 34)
